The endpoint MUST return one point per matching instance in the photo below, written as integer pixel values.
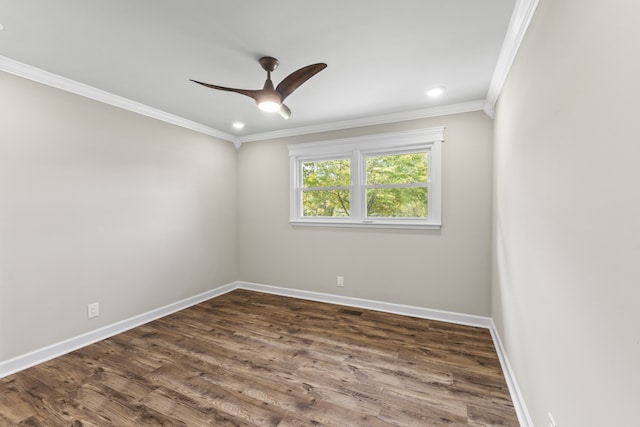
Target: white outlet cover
(93, 310)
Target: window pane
(397, 169)
(325, 203)
(397, 202)
(326, 173)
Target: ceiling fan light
(269, 101)
(269, 106)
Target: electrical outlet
(93, 310)
(552, 422)
(340, 281)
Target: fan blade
(297, 78)
(250, 93)
(285, 112)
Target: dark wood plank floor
(253, 359)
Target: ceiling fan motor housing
(269, 63)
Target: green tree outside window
(396, 186)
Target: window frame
(358, 149)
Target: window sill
(369, 224)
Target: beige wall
(448, 269)
(101, 204)
(566, 286)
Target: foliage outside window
(397, 185)
(326, 185)
(384, 180)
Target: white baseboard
(36, 357)
(405, 310)
(516, 395)
(28, 360)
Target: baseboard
(405, 310)
(28, 360)
(36, 357)
(516, 395)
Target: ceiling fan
(268, 98)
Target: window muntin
(385, 180)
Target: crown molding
(517, 27)
(29, 72)
(464, 107)
(522, 14)
(50, 79)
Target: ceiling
(382, 55)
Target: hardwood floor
(253, 359)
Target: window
(325, 188)
(383, 180)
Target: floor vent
(349, 312)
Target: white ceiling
(382, 54)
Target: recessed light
(238, 125)
(436, 91)
(1, 27)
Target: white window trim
(357, 148)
